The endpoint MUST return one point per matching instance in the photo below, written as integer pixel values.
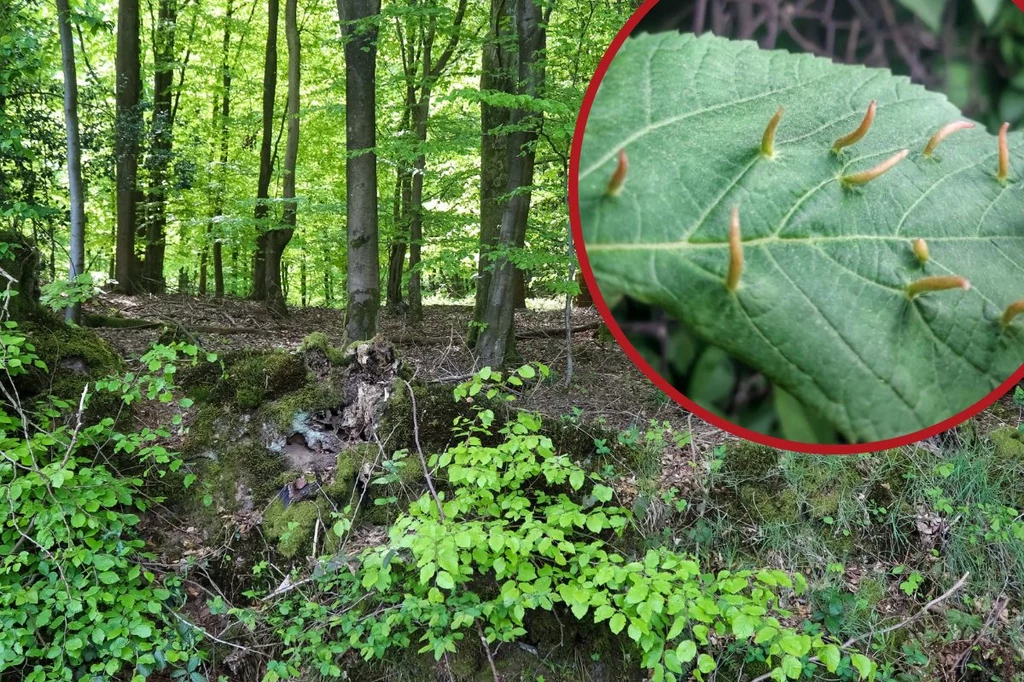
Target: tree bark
(277, 240)
(162, 140)
(262, 211)
(128, 86)
(497, 340)
(77, 199)
(359, 29)
(419, 115)
(422, 74)
(396, 257)
(498, 64)
(222, 124)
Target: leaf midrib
(684, 245)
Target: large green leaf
(821, 308)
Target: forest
(300, 378)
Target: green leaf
(686, 650)
(576, 479)
(929, 11)
(791, 667)
(743, 626)
(821, 308)
(830, 656)
(795, 645)
(705, 663)
(617, 622)
(864, 665)
(108, 577)
(445, 580)
(602, 493)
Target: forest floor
(877, 535)
(606, 388)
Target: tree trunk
(262, 211)
(277, 240)
(420, 115)
(128, 86)
(222, 123)
(162, 139)
(77, 200)
(496, 343)
(496, 75)
(361, 166)
(396, 256)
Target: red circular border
(659, 381)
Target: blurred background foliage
(972, 50)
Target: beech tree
(161, 141)
(192, 185)
(359, 28)
(261, 213)
(417, 35)
(497, 339)
(74, 158)
(127, 129)
(277, 239)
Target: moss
(202, 430)
(113, 321)
(293, 527)
(253, 377)
(1009, 443)
(347, 467)
(770, 507)
(282, 413)
(74, 356)
(749, 461)
(255, 466)
(319, 341)
(436, 411)
(873, 589)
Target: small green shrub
(518, 528)
(76, 601)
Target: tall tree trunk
(396, 257)
(162, 139)
(431, 71)
(221, 121)
(277, 240)
(127, 88)
(77, 200)
(498, 64)
(262, 211)
(419, 120)
(359, 28)
(496, 343)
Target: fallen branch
(547, 332)
(140, 323)
(487, 650)
(419, 450)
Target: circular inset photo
(817, 255)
